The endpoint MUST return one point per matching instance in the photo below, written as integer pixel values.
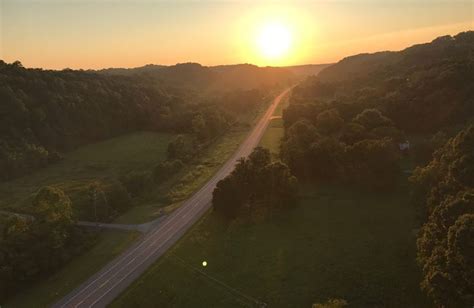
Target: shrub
(165, 169)
(135, 182)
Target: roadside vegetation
(444, 194)
(106, 245)
(335, 243)
(131, 178)
(364, 195)
(353, 124)
(275, 130)
(257, 186)
(360, 233)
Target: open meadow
(101, 160)
(335, 243)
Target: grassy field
(335, 244)
(109, 245)
(275, 131)
(272, 137)
(170, 194)
(167, 196)
(105, 159)
(109, 159)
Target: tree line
(444, 191)
(256, 187)
(423, 88)
(322, 146)
(46, 113)
(345, 126)
(36, 245)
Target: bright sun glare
(274, 41)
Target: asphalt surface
(115, 277)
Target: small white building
(404, 146)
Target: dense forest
(422, 89)
(45, 113)
(48, 112)
(354, 123)
(219, 78)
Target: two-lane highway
(109, 282)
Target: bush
(373, 163)
(118, 197)
(329, 121)
(165, 169)
(445, 191)
(372, 118)
(33, 246)
(332, 303)
(135, 182)
(179, 148)
(254, 184)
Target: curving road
(115, 277)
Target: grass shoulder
(109, 244)
(336, 243)
(134, 152)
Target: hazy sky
(127, 33)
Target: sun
(274, 41)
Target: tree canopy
(445, 191)
(256, 183)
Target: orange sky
(127, 33)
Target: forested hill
(350, 126)
(422, 88)
(44, 113)
(219, 78)
(191, 75)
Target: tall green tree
(255, 182)
(445, 191)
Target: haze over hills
(424, 87)
(58, 114)
(401, 123)
(217, 78)
(429, 54)
(403, 210)
(349, 136)
(172, 153)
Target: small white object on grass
(204, 263)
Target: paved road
(116, 276)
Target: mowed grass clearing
(272, 137)
(166, 197)
(335, 243)
(106, 159)
(275, 130)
